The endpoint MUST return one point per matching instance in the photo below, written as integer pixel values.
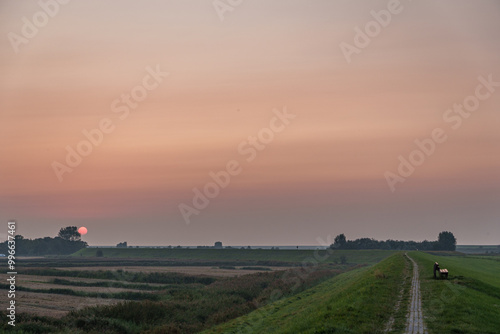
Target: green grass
(359, 301)
(357, 256)
(468, 302)
(471, 249)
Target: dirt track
(415, 319)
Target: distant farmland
(133, 290)
(261, 255)
(141, 290)
(478, 249)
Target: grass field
(359, 301)
(189, 270)
(469, 301)
(473, 249)
(262, 255)
(165, 290)
(187, 305)
(193, 290)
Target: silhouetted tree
(339, 241)
(447, 241)
(44, 246)
(69, 233)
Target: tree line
(446, 242)
(66, 242)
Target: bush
(99, 253)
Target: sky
(374, 119)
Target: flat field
(165, 290)
(189, 270)
(289, 291)
(52, 305)
(238, 255)
(478, 249)
(469, 301)
(358, 301)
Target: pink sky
(321, 176)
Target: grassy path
(415, 322)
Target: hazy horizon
(318, 172)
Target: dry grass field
(52, 305)
(85, 294)
(43, 282)
(57, 305)
(188, 270)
